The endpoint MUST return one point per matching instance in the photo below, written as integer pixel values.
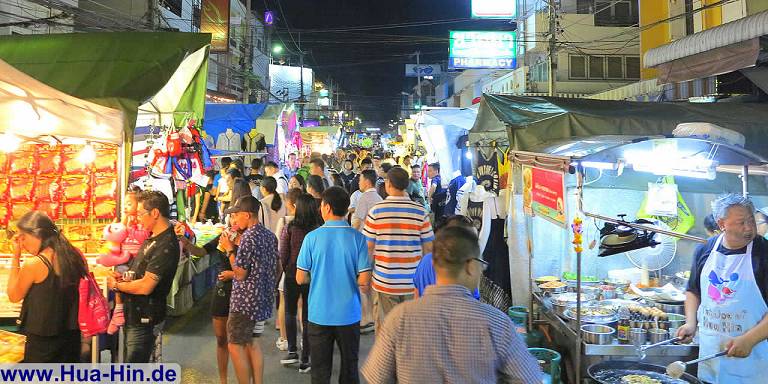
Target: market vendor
(726, 296)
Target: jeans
(292, 292)
(322, 338)
(140, 341)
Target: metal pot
(597, 334)
(658, 335)
(638, 336)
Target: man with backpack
(152, 270)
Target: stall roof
(30, 108)
(527, 123)
(240, 117)
(116, 69)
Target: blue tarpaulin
(240, 117)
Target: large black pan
(611, 372)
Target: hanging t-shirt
(453, 190)
(505, 168)
(487, 172)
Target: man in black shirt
(153, 269)
(725, 299)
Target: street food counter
(603, 287)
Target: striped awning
(722, 49)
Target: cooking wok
(611, 372)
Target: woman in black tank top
(48, 284)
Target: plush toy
(114, 234)
(133, 241)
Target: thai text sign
(544, 194)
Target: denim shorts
(240, 328)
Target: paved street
(189, 341)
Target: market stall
(61, 155)
(322, 139)
(602, 228)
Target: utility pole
(418, 77)
(248, 54)
(552, 48)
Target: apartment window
(633, 67)
(615, 67)
(616, 13)
(173, 6)
(196, 16)
(578, 67)
(596, 67)
(585, 7)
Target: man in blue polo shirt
(334, 262)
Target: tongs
(676, 369)
(665, 342)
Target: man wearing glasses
(481, 340)
(150, 277)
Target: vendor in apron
(725, 299)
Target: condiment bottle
(624, 325)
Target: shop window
(633, 67)
(596, 67)
(173, 6)
(615, 67)
(578, 67)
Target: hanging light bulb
(88, 154)
(9, 142)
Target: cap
(244, 204)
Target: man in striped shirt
(399, 234)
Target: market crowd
(331, 246)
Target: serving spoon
(676, 369)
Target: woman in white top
(272, 206)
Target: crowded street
(453, 191)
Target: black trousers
(322, 338)
(292, 292)
(63, 348)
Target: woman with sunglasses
(48, 284)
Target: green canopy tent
(531, 123)
(160, 73)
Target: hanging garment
(497, 255)
(477, 199)
(253, 141)
(731, 305)
(487, 172)
(462, 196)
(505, 169)
(453, 190)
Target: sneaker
(304, 368)
(281, 344)
(292, 358)
(258, 329)
(117, 321)
(368, 328)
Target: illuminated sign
(494, 9)
(214, 19)
(269, 18)
(483, 49)
(416, 70)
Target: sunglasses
(484, 264)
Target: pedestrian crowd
(331, 246)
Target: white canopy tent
(29, 108)
(440, 129)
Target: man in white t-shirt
(367, 199)
(271, 169)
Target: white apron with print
(731, 305)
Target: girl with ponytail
(272, 205)
(48, 284)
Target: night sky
(369, 63)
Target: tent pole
(744, 180)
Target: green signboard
(483, 49)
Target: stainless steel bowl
(670, 307)
(638, 336)
(597, 334)
(552, 291)
(676, 320)
(561, 301)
